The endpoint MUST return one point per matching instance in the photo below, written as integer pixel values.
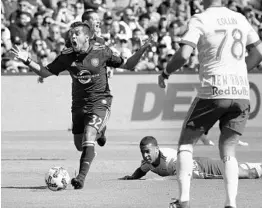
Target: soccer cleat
(176, 204)
(207, 142)
(244, 144)
(101, 141)
(77, 183)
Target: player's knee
(185, 148)
(90, 133)
(190, 136)
(228, 137)
(227, 158)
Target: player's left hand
(20, 53)
(161, 81)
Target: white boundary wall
(138, 102)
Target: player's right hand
(20, 53)
(127, 178)
(161, 81)
(40, 80)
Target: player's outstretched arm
(178, 60)
(134, 59)
(23, 55)
(254, 56)
(136, 175)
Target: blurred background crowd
(40, 26)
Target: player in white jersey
(162, 161)
(221, 37)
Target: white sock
(184, 172)
(230, 176)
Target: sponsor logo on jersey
(84, 76)
(230, 91)
(95, 62)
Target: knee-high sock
(230, 175)
(86, 159)
(184, 173)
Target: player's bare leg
(184, 163)
(87, 157)
(227, 144)
(101, 138)
(206, 141)
(78, 140)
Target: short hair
(86, 16)
(148, 140)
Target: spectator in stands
(23, 6)
(153, 15)
(117, 32)
(41, 53)
(38, 31)
(63, 16)
(164, 7)
(182, 10)
(136, 40)
(54, 37)
(106, 26)
(177, 28)
(250, 15)
(137, 8)
(78, 12)
(196, 7)
(5, 35)
(143, 22)
(20, 29)
(7, 8)
(163, 32)
(129, 18)
(96, 5)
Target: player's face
(78, 38)
(95, 22)
(149, 153)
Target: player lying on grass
(162, 161)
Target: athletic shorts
(94, 114)
(231, 113)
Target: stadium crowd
(41, 27)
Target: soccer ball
(57, 178)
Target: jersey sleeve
(144, 166)
(114, 60)
(193, 32)
(59, 64)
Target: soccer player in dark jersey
(92, 18)
(162, 161)
(91, 97)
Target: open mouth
(74, 43)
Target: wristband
(28, 61)
(164, 75)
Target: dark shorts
(231, 113)
(94, 114)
